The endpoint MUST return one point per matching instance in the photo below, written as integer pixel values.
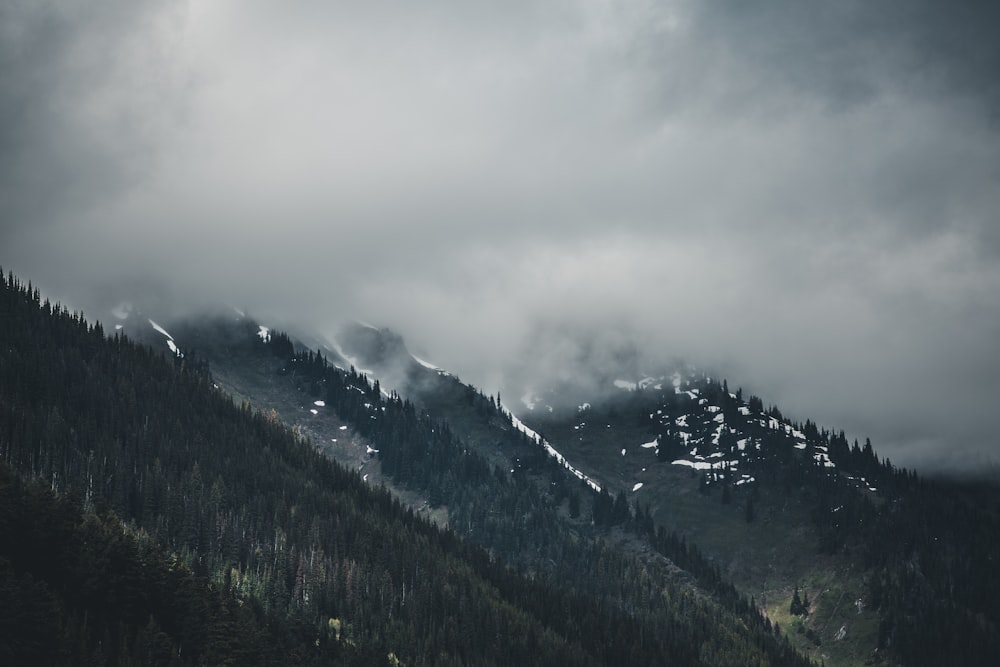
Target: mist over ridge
(800, 200)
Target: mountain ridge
(255, 509)
(794, 478)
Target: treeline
(198, 530)
(514, 513)
(245, 503)
(927, 548)
(79, 588)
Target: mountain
(891, 566)
(148, 518)
(889, 562)
(634, 510)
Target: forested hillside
(149, 520)
(894, 568)
(901, 568)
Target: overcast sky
(804, 196)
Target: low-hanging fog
(800, 196)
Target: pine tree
(796, 606)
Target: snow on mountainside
(688, 420)
(136, 328)
(519, 425)
(669, 445)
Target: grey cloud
(797, 195)
(847, 53)
(80, 111)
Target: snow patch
(314, 411)
(425, 364)
(264, 333)
(697, 465)
(343, 428)
(520, 426)
(638, 485)
(649, 445)
(320, 404)
(626, 385)
(160, 329)
(824, 459)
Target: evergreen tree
(796, 606)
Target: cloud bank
(802, 197)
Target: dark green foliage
(927, 550)
(574, 505)
(798, 607)
(175, 527)
(506, 512)
(77, 586)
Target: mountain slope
(776, 504)
(340, 571)
(783, 505)
(893, 568)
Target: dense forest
(153, 521)
(925, 549)
(514, 513)
(149, 520)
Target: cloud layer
(799, 196)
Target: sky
(803, 197)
